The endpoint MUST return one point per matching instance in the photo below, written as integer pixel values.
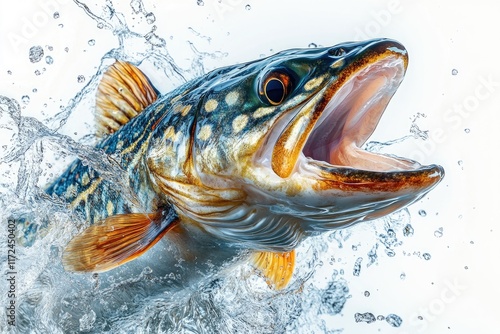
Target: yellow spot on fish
(175, 99)
(313, 83)
(83, 195)
(177, 108)
(182, 109)
(85, 179)
(169, 133)
(263, 111)
(211, 105)
(338, 63)
(239, 123)
(205, 132)
(109, 208)
(232, 98)
(185, 110)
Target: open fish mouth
(327, 132)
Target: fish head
(277, 143)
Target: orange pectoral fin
(276, 267)
(116, 240)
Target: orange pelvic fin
(277, 268)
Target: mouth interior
(351, 116)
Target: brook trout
(258, 155)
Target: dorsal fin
(123, 92)
(277, 268)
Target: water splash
(234, 299)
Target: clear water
(229, 299)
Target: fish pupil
(275, 91)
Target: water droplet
(49, 60)
(367, 293)
(472, 242)
(56, 15)
(394, 320)
(36, 53)
(200, 3)
(372, 255)
(454, 72)
(34, 90)
(50, 48)
(66, 49)
(357, 266)
(438, 233)
(81, 78)
(467, 130)
(91, 42)
(9, 72)
(466, 267)
(100, 25)
(150, 18)
(37, 72)
(420, 317)
(354, 247)
(341, 272)
(380, 318)
(460, 162)
(422, 213)
(364, 317)
(313, 45)
(408, 230)
(248, 7)
(402, 276)
(426, 256)
(25, 99)
(60, 25)
(390, 252)
(460, 216)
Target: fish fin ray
(277, 268)
(123, 93)
(116, 240)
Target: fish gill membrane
(156, 292)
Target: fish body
(257, 155)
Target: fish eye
(276, 87)
(275, 90)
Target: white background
(440, 36)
